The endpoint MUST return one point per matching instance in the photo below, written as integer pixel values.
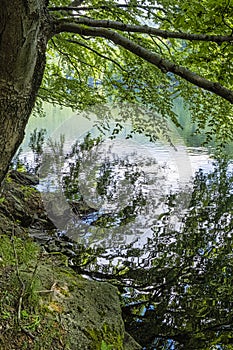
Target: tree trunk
(24, 32)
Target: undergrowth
(25, 322)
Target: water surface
(155, 220)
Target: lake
(154, 218)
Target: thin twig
(68, 57)
(97, 53)
(28, 333)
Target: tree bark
(24, 32)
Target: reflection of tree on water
(177, 289)
(111, 196)
(112, 186)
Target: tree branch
(96, 52)
(150, 30)
(68, 58)
(74, 7)
(163, 64)
(76, 3)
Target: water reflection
(167, 247)
(111, 192)
(177, 288)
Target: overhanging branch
(163, 64)
(104, 7)
(149, 30)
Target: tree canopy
(144, 52)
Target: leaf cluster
(84, 70)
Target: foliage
(144, 53)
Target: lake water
(156, 219)
(140, 170)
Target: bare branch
(163, 64)
(150, 30)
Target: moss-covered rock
(45, 305)
(21, 205)
(89, 311)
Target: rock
(25, 179)
(130, 343)
(21, 205)
(89, 311)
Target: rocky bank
(44, 303)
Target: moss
(105, 338)
(95, 336)
(24, 323)
(28, 192)
(105, 346)
(14, 248)
(45, 305)
(112, 337)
